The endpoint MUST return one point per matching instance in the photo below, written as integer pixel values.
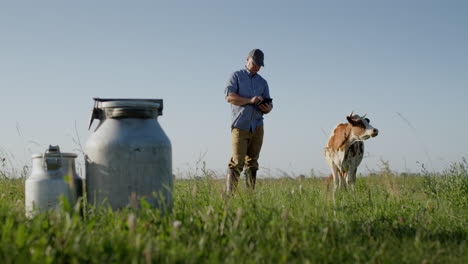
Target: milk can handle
(96, 113)
(47, 163)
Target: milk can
(53, 175)
(128, 155)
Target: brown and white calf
(345, 149)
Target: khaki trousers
(246, 148)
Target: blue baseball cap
(257, 56)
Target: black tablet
(265, 101)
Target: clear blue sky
(404, 63)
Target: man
(245, 89)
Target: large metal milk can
(128, 155)
(53, 175)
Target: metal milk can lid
(118, 104)
(125, 108)
(52, 157)
(54, 151)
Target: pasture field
(389, 219)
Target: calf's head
(361, 128)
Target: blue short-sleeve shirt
(247, 117)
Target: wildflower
(176, 224)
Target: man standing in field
(245, 91)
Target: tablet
(265, 101)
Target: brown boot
(232, 178)
(250, 178)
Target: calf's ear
(351, 120)
(367, 119)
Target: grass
(389, 219)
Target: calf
(345, 149)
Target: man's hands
(265, 108)
(255, 100)
(236, 99)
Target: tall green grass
(389, 219)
